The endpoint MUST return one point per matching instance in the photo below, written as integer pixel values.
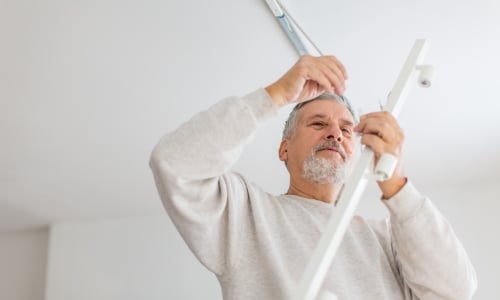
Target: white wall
(23, 257)
(474, 212)
(144, 258)
(139, 258)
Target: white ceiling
(88, 87)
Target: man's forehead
(325, 108)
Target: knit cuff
(406, 203)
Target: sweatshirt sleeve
(432, 261)
(191, 167)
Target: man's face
(323, 139)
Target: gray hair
(291, 123)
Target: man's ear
(283, 153)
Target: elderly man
(258, 244)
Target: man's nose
(334, 134)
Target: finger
(392, 136)
(374, 118)
(376, 143)
(337, 73)
(338, 66)
(336, 80)
(327, 71)
(378, 115)
(380, 129)
(323, 81)
(319, 72)
(323, 71)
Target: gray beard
(323, 171)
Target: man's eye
(318, 124)
(346, 130)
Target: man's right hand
(308, 78)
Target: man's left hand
(381, 132)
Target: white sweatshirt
(258, 244)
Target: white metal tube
(324, 253)
(402, 86)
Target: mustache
(331, 144)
